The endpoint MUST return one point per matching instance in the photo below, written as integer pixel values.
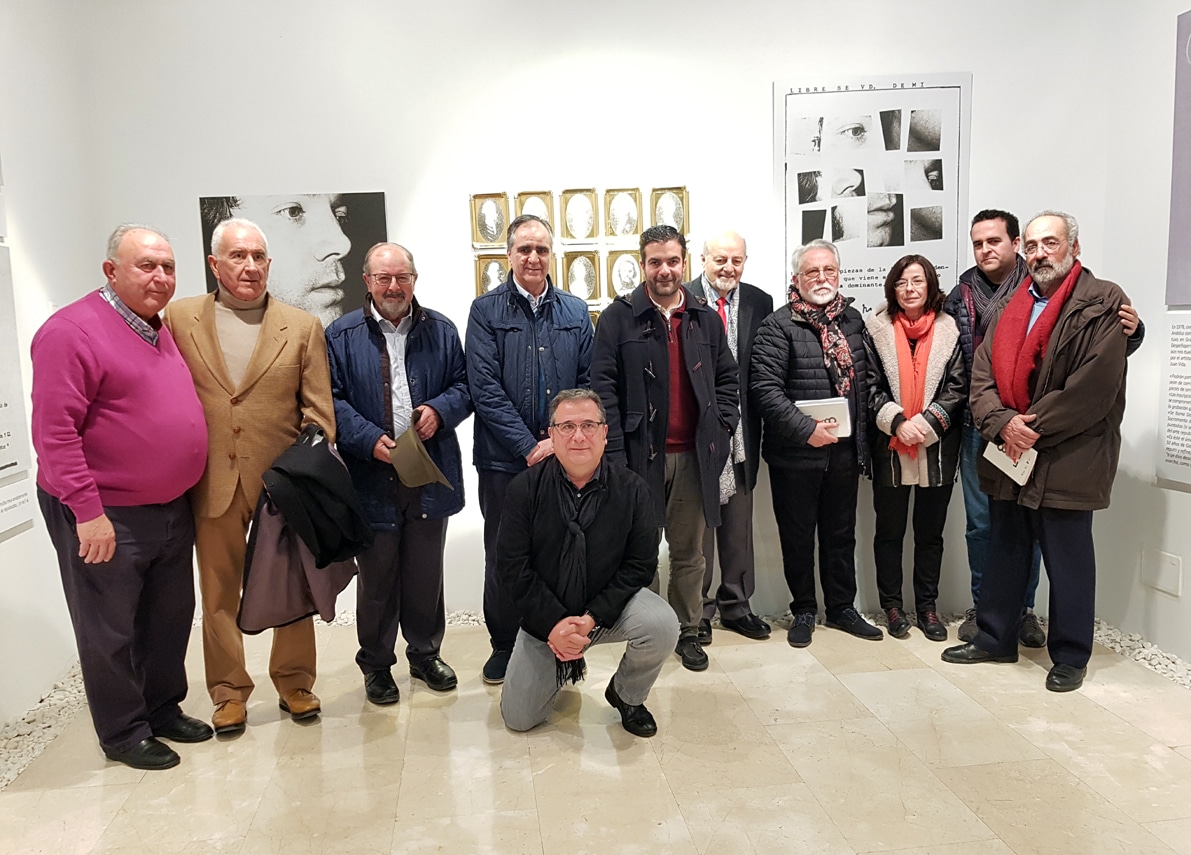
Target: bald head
(724, 255)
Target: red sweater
(116, 421)
(684, 417)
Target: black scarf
(986, 295)
(578, 512)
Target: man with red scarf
(1049, 376)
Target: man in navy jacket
(396, 366)
(526, 341)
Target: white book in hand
(1020, 471)
(829, 410)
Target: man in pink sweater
(120, 438)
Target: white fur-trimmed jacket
(946, 396)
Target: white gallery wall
(131, 110)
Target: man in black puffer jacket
(812, 349)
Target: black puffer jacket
(787, 366)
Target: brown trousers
(221, 543)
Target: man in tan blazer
(260, 370)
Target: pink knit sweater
(116, 421)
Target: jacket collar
(641, 303)
(416, 312)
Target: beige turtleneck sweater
(238, 325)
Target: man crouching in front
(577, 549)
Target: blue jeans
(979, 525)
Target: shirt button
(235, 400)
(231, 455)
(541, 350)
(235, 430)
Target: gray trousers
(734, 539)
(531, 682)
(685, 525)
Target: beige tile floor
(846, 746)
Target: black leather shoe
(1065, 678)
(931, 626)
(435, 673)
(380, 688)
(1031, 634)
(750, 626)
(146, 754)
(184, 729)
(899, 627)
(703, 633)
(850, 621)
(968, 653)
(496, 666)
(635, 718)
(691, 653)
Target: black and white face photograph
(669, 208)
(926, 223)
(581, 274)
(491, 271)
(849, 133)
(848, 220)
(810, 187)
(926, 130)
(891, 129)
(623, 212)
(624, 273)
(885, 226)
(538, 203)
(490, 218)
(847, 182)
(579, 214)
(317, 243)
(923, 175)
(813, 224)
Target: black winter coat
(631, 373)
(787, 366)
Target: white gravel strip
(22, 740)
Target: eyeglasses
(919, 282)
(386, 279)
(1050, 244)
(828, 273)
(568, 429)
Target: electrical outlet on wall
(1162, 571)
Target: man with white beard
(741, 308)
(808, 350)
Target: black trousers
(892, 505)
(822, 501)
(500, 612)
(1070, 559)
(734, 537)
(131, 616)
(400, 586)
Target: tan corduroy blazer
(286, 386)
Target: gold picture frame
(540, 203)
(487, 266)
(489, 219)
(669, 206)
(595, 317)
(579, 216)
(622, 212)
(624, 272)
(581, 274)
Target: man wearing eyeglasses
(526, 340)
(398, 367)
(669, 384)
(741, 307)
(260, 370)
(1048, 379)
(577, 550)
(808, 350)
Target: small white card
(831, 411)
(1020, 471)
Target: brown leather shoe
(230, 717)
(300, 704)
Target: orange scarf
(911, 369)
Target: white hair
(121, 230)
(234, 223)
(817, 243)
(1072, 225)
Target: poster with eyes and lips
(880, 168)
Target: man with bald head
(260, 370)
(397, 369)
(120, 438)
(741, 308)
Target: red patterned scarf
(911, 369)
(1017, 350)
(837, 356)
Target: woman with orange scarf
(917, 390)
